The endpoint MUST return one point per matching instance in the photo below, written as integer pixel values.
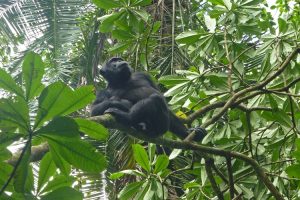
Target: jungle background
(229, 66)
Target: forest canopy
(229, 66)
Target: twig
(230, 177)
(212, 180)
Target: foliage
(230, 66)
(48, 123)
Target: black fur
(135, 100)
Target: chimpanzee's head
(116, 71)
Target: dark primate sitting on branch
(135, 101)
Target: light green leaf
(161, 163)
(188, 37)
(58, 99)
(58, 182)
(63, 193)
(140, 2)
(62, 127)
(175, 153)
(92, 129)
(108, 21)
(8, 83)
(141, 157)
(107, 4)
(22, 171)
(33, 71)
(46, 170)
(80, 154)
(172, 80)
(283, 26)
(118, 175)
(129, 190)
(142, 14)
(15, 112)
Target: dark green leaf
(293, 171)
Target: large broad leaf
(130, 190)
(61, 126)
(92, 129)
(188, 37)
(107, 4)
(65, 193)
(22, 171)
(8, 83)
(161, 163)
(46, 170)
(107, 21)
(33, 71)
(5, 171)
(58, 99)
(78, 153)
(15, 111)
(140, 2)
(141, 157)
(59, 181)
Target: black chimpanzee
(134, 100)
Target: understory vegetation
(229, 66)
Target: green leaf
(141, 157)
(6, 138)
(46, 170)
(63, 165)
(172, 80)
(118, 175)
(151, 191)
(140, 2)
(5, 171)
(4, 154)
(22, 171)
(188, 37)
(119, 47)
(58, 182)
(15, 112)
(174, 153)
(107, 4)
(293, 171)
(283, 26)
(8, 83)
(80, 154)
(92, 129)
(33, 71)
(142, 14)
(62, 127)
(161, 163)
(64, 193)
(108, 21)
(122, 35)
(129, 190)
(58, 99)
